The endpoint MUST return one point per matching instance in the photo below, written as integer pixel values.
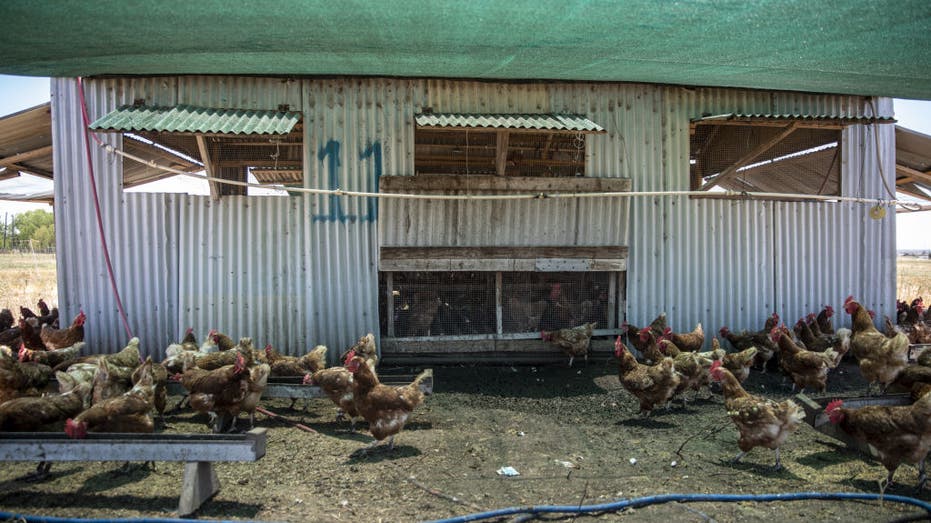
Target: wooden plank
(478, 183)
(731, 171)
(131, 447)
(914, 174)
(531, 343)
(31, 170)
(27, 155)
(502, 265)
(558, 252)
(208, 166)
(501, 153)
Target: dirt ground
(572, 434)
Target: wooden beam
(728, 173)
(479, 183)
(501, 153)
(208, 166)
(31, 170)
(28, 155)
(913, 194)
(9, 174)
(915, 174)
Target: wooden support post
(389, 307)
(200, 483)
(208, 166)
(499, 309)
(501, 153)
(612, 300)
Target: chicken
(53, 357)
(110, 381)
(806, 368)
(651, 385)
(365, 347)
(128, 412)
(11, 337)
(224, 342)
(219, 391)
(650, 351)
(898, 433)
(688, 342)
(42, 413)
(258, 379)
(766, 349)
(386, 408)
(311, 362)
(336, 383)
(573, 341)
(881, 358)
(29, 333)
(739, 363)
(160, 378)
(909, 377)
(657, 326)
(6, 320)
(824, 320)
(813, 341)
(60, 338)
(761, 422)
(215, 360)
(691, 367)
(18, 378)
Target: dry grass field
(26, 277)
(914, 278)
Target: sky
(18, 93)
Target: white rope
(529, 196)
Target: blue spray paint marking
(330, 151)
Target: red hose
(103, 238)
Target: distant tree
(37, 225)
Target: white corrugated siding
(302, 270)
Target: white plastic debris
(522, 434)
(674, 463)
(567, 464)
(633, 461)
(508, 471)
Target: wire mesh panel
(440, 303)
(767, 158)
(437, 304)
(534, 301)
(471, 151)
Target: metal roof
(913, 163)
(832, 46)
(188, 119)
(543, 122)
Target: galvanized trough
(198, 451)
(815, 416)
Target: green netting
(836, 46)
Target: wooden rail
(198, 451)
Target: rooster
(386, 408)
(761, 422)
(881, 358)
(573, 341)
(806, 368)
(898, 433)
(59, 338)
(652, 385)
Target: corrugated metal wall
(302, 270)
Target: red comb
(834, 405)
(715, 365)
(849, 299)
(350, 355)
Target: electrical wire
(103, 238)
(625, 504)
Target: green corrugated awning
(188, 119)
(542, 122)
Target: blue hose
(623, 504)
(10, 516)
